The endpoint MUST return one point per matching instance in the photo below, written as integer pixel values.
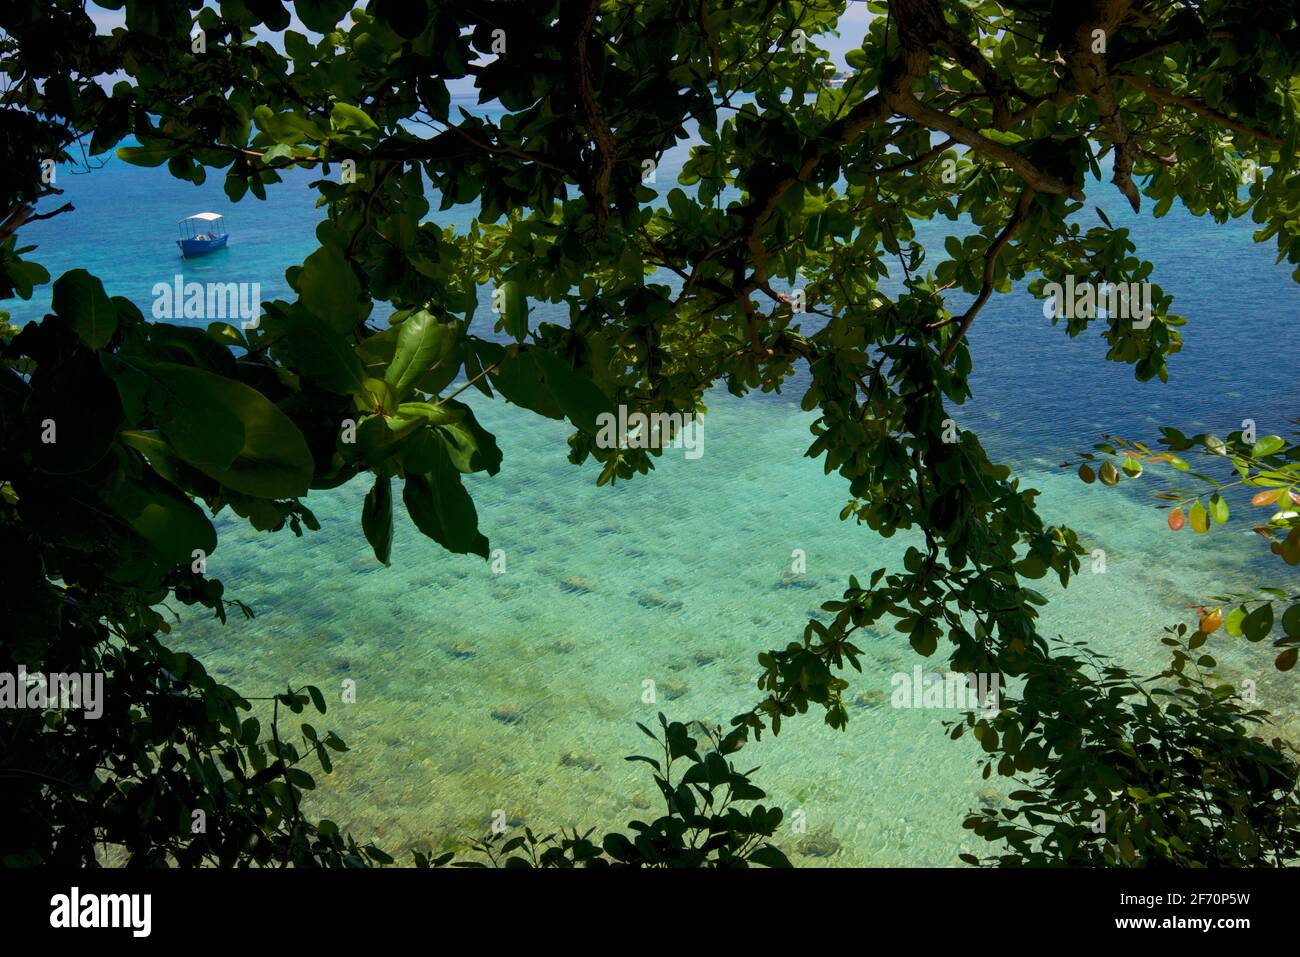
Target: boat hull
(200, 247)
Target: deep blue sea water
(478, 692)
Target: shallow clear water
(518, 691)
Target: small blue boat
(202, 233)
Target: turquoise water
(517, 691)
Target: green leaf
(274, 462)
(288, 127)
(192, 408)
(24, 276)
(321, 354)
(923, 640)
(441, 508)
(769, 856)
(1198, 518)
(377, 517)
(376, 352)
(1031, 566)
(407, 19)
(322, 16)
(270, 12)
(167, 519)
(79, 301)
(1232, 623)
(377, 396)
(1291, 621)
(145, 155)
(433, 413)
(1258, 623)
(1005, 137)
(328, 289)
(470, 446)
(514, 309)
(518, 377)
(378, 437)
(815, 231)
(346, 117)
(422, 343)
(1218, 508)
(1268, 445)
(205, 416)
(1289, 549)
(579, 398)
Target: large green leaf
(379, 436)
(518, 377)
(433, 413)
(167, 519)
(514, 309)
(346, 117)
(377, 517)
(579, 397)
(224, 428)
(275, 461)
(329, 289)
(1268, 445)
(145, 155)
(1258, 623)
(288, 127)
(441, 508)
(406, 18)
(471, 447)
(80, 301)
(322, 15)
(270, 12)
(546, 384)
(168, 464)
(184, 403)
(321, 354)
(376, 352)
(184, 345)
(422, 343)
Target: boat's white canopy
(206, 217)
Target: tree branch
(1092, 78)
(990, 264)
(917, 21)
(20, 214)
(1161, 95)
(1041, 182)
(596, 184)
